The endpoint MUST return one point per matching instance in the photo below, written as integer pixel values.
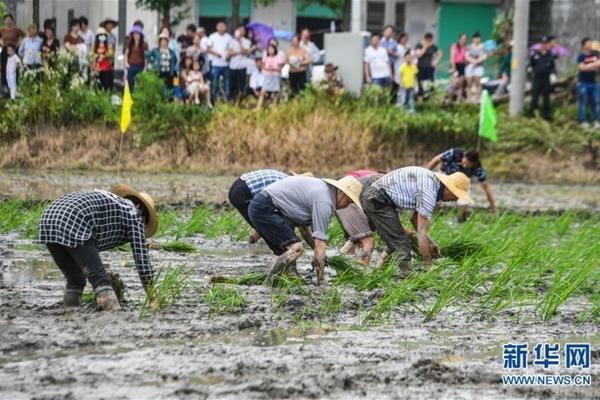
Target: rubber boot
(72, 297)
(107, 299)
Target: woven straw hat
(350, 186)
(123, 190)
(458, 184)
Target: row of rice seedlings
(224, 299)
(167, 287)
(287, 285)
(18, 215)
(178, 247)
(250, 278)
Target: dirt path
(264, 352)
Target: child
(195, 84)
(272, 75)
(257, 79)
(13, 62)
(408, 79)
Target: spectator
(50, 47)
(377, 64)
(428, 56)
(186, 68)
(138, 24)
(332, 84)
(402, 49)
(9, 35)
(102, 53)
(204, 43)
(13, 63)
(389, 43)
(238, 54)
(504, 70)
(173, 45)
(298, 59)
(476, 56)
(313, 51)
(257, 78)
(30, 50)
(188, 37)
(458, 59)
(196, 86)
(195, 49)
(542, 65)
(135, 55)
(86, 34)
(109, 24)
(164, 62)
(76, 47)
(589, 65)
(272, 76)
(408, 80)
(218, 48)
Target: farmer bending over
(77, 226)
(467, 162)
(300, 201)
(410, 188)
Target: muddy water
(192, 188)
(265, 352)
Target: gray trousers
(383, 215)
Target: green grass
(224, 299)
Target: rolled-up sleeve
(426, 195)
(140, 252)
(321, 214)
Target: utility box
(346, 51)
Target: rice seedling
(168, 221)
(224, 299)
(17, 215)
(178, 247)
(167, 287)
(287, 285)
(251, 278)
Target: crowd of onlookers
(197, 68)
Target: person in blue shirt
(465, 161)
(588, 63)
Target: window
(375, 16)
(400, 17)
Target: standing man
(467, 162)
(428, 58)
(109, 24)
(238, 53)
(86, 34)
(10, 34)
(542, 65)
(30, 50)
(300, 201)
(389, 43)
(246, 187)
(416, 189)
(78, 226)
(219, 44)
(313, 51)
(378, 70)
(588, 63)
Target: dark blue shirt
(452, 162)
(587, 76)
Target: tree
(164, 8)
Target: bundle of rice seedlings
(179, 247)
(252, 278)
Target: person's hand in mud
(153, 303)
(319, 260)
(152, 245)
(435, 249)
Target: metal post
(356, 16)
(519, 57)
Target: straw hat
(101, 31)
(350, 186)
(122, 190)
(114, 22)
(458, 184)
(163, 36)
(308, 174)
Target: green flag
(487, 118)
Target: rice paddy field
(220, 332)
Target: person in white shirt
(204, 45)
(13, 62)
(238, 53)
(378, 70)
(86, 34)
(313, 51)
(219, 44)
(257, 79)
(30, 50)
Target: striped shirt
(452, 162)
(109, 220)
(260, 179)
(411, 188)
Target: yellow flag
(126, 109)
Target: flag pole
(119, 157)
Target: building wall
(281, 15)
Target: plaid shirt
(109, 220)
(260, 179)
(452, 162)
(412, 188)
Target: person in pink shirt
(272, 76)
(458, 62)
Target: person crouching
(77, 226)
(300, 201)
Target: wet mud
(264, 351)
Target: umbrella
(558, 50)
(490, 45)
(262, 32)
